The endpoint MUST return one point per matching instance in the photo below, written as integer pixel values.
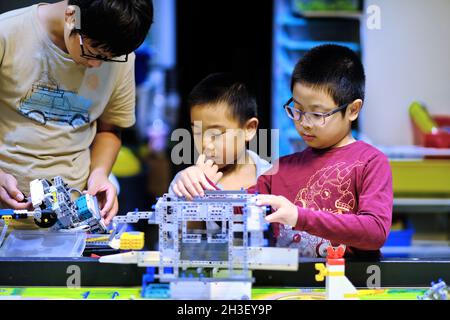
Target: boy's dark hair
(117, 26)
(223, 87)
(335, 69)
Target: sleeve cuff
(301, 219)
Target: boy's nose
(95, 63)
(305, 123)
(208, 145)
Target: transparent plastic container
(31, 243)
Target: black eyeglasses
(99, 56)
(314, 118)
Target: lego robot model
(54, 208)
(215, 263)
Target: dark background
(226, 36)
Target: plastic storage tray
(438, 140)
(30, 243)
(421, 178)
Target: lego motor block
(56, 207)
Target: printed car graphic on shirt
(46, 102)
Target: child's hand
(10, 195)
(191, 182)
(209, 168)
(285, 211)
(99, 185)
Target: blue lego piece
(152, 290)
(6, 212)
(156, 291)
(83, 211)
(168, 270)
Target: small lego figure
(338, 287)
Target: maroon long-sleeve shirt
(343, 196)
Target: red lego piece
(337, 253)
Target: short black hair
(117, 26)
(336, 69)
(224, 87)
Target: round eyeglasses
(313, 118)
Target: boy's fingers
(206, 184)
(92, 191)
(183, 191)
(217, 177)
(195, 178)
(201, 160)
(11, 203)
(112, 213)
(209, 163)
(192, 184)
(268, 200)
(11, 188)
(274, 217)
(177, 191)
(110, 198)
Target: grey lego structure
(222, 256)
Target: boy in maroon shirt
(338, 190)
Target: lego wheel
(48, 219)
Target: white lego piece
(36, 192)
(121, 258)
(254, 219)
(269, 258)
(338, 287)
(206, 290)
(231, 290)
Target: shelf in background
(425, 205)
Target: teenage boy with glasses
(66, 90)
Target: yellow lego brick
(323, 272)
(132, 241)
(7, 219)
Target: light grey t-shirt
(49, 105)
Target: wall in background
(407, 60)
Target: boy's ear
(72, 17)
(354, 108)
(250, 127)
